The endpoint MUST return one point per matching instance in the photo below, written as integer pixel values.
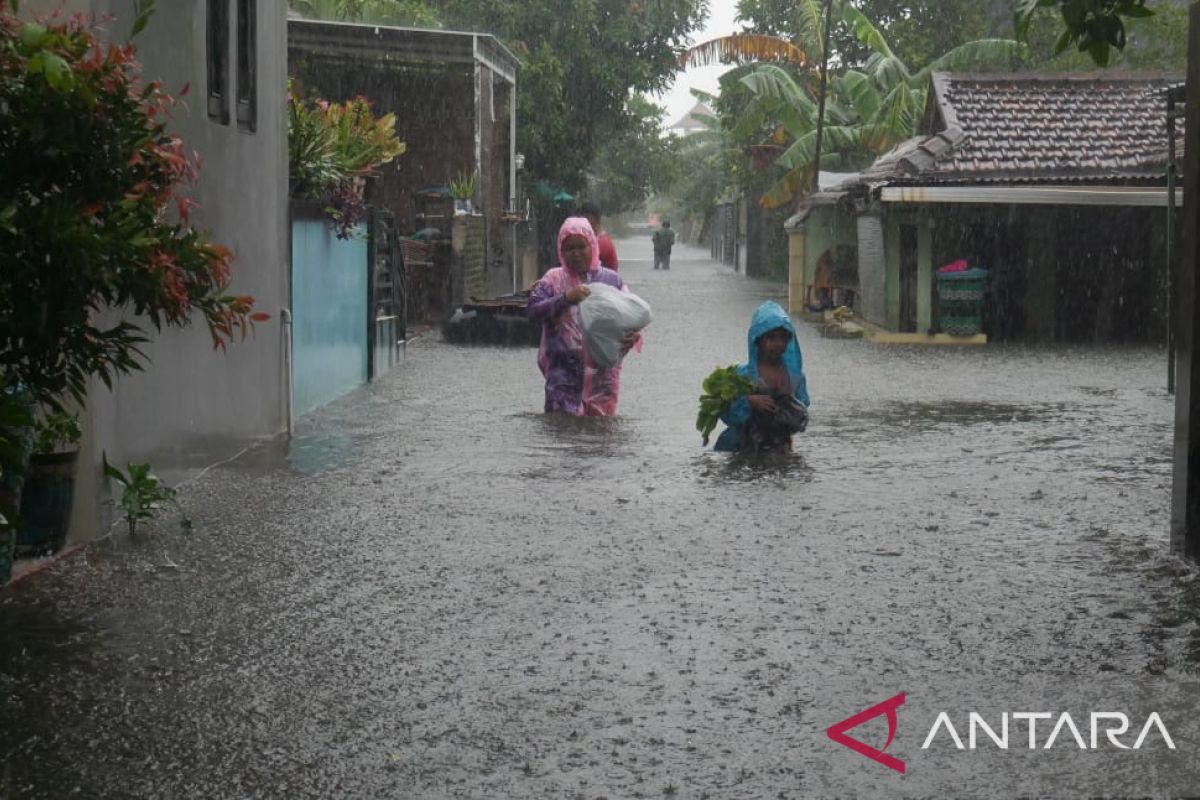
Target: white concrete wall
(194, 406)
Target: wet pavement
(437, 591)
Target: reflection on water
(319, 451)
(749, 468)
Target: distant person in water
(765, 420)
(574, 385)
(664, 240)
(608, 251)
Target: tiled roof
(1031, 128)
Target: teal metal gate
(330, 350)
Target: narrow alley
(435, 590)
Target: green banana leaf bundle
(721, 388)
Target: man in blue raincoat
(766, 419)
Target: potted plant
(49, 490)
(463, 189)
(333, 148)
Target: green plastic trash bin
(960, 301)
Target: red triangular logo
(837, 732)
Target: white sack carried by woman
(607, 315)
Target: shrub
(332, 149)
(93, 213)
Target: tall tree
(1128, 35)
(1095, 27)
(634, 162)
(581, 60)
(918, 30)
(413, 13)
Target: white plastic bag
(607, 315)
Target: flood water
(437, 591)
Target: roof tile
(1038, 128)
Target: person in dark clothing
(664, 240)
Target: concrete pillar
(797, 278)
(925, 273)
(1185, 497)
(872, 271)
(892, 284)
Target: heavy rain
(369, 563)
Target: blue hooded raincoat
(767, 317)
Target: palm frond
(979, 54)
(741, 48)
(899, 110)
(773, 83)
(887, 71)
(783, 190)
(812, 26)
(866, 32)
(861, 92)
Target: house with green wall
(1055, 184)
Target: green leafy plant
(56, 431)
(333, 148)
(721, 388)
(16, 423)
(463, 186)
(143, 495)
(413, 13)
(1095, 27)
(93, 212)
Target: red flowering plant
(332, 149)
(93, 213)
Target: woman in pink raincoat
(574, 385)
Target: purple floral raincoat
(574, 385)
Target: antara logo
(837, 732)
(1106, 729)
(1111, 723)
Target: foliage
(56, 431)
(411, 13)
(743, 47)
(462, 186)
(1157, 42)
(918, 30)
(708, 164)
(333, 148)
(143, 495)
(1095, 27)
(868, 109)
(93, 214)
(581, 61)
(721, 388)
(634, 162)
(16, 422)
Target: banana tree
(868, 111)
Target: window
(247, 83)
(218, 61)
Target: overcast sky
(677, 100)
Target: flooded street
(438, 591)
